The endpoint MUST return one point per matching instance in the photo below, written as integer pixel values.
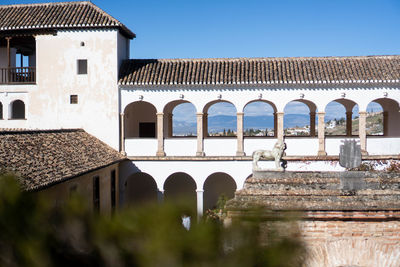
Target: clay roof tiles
(42, 158)
(260, 70)
(61, 15)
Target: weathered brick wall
(351, 243)
(344, 219)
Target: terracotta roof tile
(59, 15)
(260, 70)
(45, 157)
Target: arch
(140, 120)
(217, 185)
(220, 119)
(259, 118)
(391, 116)
(1, 111)
(299, 118)
(180, 186)
(180, 119)
(375, 119)
(340, 117)
(17, 109)
(140, 188)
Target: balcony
(18, 75)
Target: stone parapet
(315, 191)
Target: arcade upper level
(151, 90)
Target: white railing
(383, 145)
(301, 146)
(220, 146)
(255, 143)
(180, 146)
(141, 146)
(333, 143)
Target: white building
(79, 75)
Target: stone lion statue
(275, 154)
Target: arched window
(140, 188)
(1, 111)
(180, 187)
(388, 120)
(299, 118)
(341, 118)
(18, 109)
(259, 119)
(218, 188)
(180, 119)
(221, 118)
(140, 120)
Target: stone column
(321, 134)
(312, 123)
(349, 123)
(160, 135)
(239, 134)
(8, 52)
(9, 59)
(279, 124)
(122, 134)
(200, 137)
(199, 203)
(275, 125)
(385, 123)
(362, 131)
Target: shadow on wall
(127, 168)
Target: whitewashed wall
(48, 102)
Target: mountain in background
(220, 122)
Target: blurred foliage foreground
(35, 233)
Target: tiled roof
(45, 157)
(57, 16)
(301, 70)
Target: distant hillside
(220, 122)
(374, 126)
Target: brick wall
(351, 243)
(345, 219)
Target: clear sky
(255, 28)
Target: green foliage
(35, 233)
(222, 199)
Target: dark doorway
(147, 129)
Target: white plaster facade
(47, 102)
(156, 101)
(112, 111)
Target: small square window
(73, 99)
(82, 66)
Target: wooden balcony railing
(18, 75)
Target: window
(96, 193)
(82, 66)
(73, 99)
(18, 110)
(113, 190)
(1, 111)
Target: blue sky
(255, 28)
